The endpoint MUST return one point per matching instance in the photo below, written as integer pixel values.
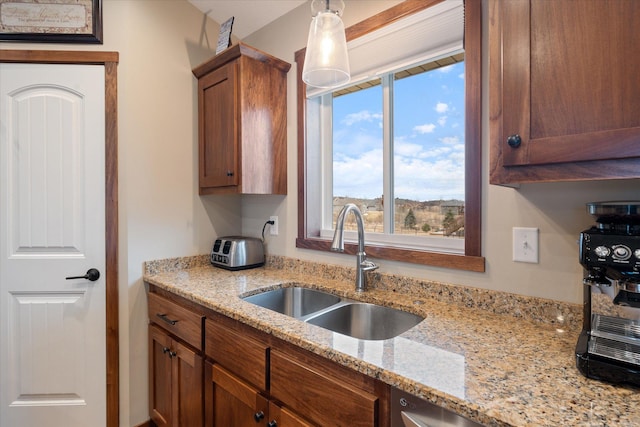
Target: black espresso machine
(609, 346)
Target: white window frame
(322, 136)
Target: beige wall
(161, 214)
(557, 209)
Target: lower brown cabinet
(249, 378)
(254, 379)
(234, 403)
(175, 382)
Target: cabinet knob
(272, 423)
(166, 350)
(514, 141)
(258, 416)
(229, 173)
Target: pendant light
(326, 62)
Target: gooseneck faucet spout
(362, 264)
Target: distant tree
(410, 220)
(426, 227)
(449, 223)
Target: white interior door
(52, 226)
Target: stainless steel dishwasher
(410, 411)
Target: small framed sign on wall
(53, 21)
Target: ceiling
(249, 15)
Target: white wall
(161, 214)
(557, 209)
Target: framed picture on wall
(53, 21)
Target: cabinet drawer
(245, 357)
(179, 321)
(319, 397)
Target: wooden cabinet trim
(234, 52)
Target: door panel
(52, 226)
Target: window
(371, 143)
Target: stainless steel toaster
(237, 252)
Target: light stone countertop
(470, 357)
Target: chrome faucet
(362, 265)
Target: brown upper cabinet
(564, 90)
(242, 123)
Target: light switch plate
(525, 244)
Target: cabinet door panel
(187, 387)
(234, 403)
(218, 127)
(571, 97)
(285, 418)
(320, 397)
(562, 77)
(159, 377)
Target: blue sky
(428, 138)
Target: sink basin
(295, 302)
(345, 316)
(366, 321)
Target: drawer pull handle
(166, 319)
(258, 416)
(272, 424)
(165, 350)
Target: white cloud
(419, 174)
(450, 140)
(442, 107)
(426, 128)
(406, 149)
(442, 120)
(361, 116)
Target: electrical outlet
(525, 244)
(274, 227)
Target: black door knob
(258, 416)
(91, 275)
(514, 141)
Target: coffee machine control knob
(602, 251)
(621, 252)
(636, 253)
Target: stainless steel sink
(295, 302)
(366, 321)
(342, 315)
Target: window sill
(435, 259)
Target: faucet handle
(368, 266)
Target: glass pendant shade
(326, 62)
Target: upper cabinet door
(564, 91)
(219, 127)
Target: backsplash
(538, 310)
